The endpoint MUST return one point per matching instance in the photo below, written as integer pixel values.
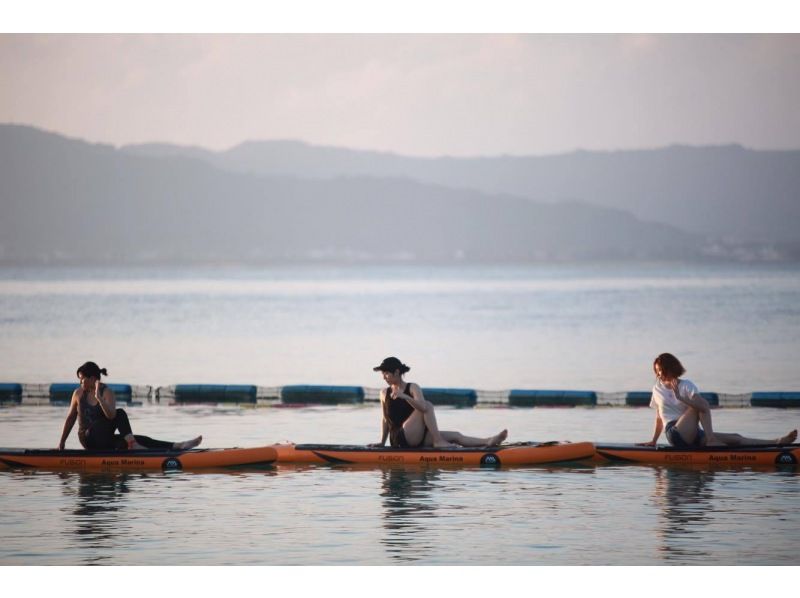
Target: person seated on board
(95, 408)
(410, 421)
(681, 410)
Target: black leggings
(101, 435)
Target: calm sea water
(572, 514)
(736, 328)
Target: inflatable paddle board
(525, 453)
(81, 460)
(760, 456)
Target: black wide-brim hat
(390, 364)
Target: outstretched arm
(657, 428)
(384, 434)
(72, 415)
(384, 426)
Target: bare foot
(133, 445)
(498, 439)
(711, 441)
(187, 444)
(444, 444)
(788, 439)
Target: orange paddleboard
(79, 460)
(759, 456)
(526, 453)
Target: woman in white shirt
(681, 410)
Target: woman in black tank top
(95, 408)
(410, 421)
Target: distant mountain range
(67, 201)
(726, 191)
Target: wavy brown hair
(670, 365)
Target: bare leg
(416, 424)
(187, 444)
(461, 440)
(739, 440)
(705, 420)
(414, 428)
(704, 415)
(432, 425)
(687, 424)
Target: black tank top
(88, 414)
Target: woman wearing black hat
(410, 421)
(95, 408)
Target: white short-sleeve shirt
(669, 407)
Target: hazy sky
(443, 94)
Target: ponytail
(91, 370)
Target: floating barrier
(638, 398)
(492, 398)
(61, 392)
(455, 397)
(213, 393)
(10, 392)
(303, 394)
(642, 398)
(775, 399)
(132, 395)
(551, 398)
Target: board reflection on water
(572, 514)
(408, 505)
(97, 520)
(686, 499)
(704, 513)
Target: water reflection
(407, 510)
(686, 498)
(98, 512)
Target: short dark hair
(91, 370)
(669, 365)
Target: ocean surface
(736, 328)
(575, 514)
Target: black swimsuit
(396, 412)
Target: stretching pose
(95, 408)
(680, 408)
(409, 420)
